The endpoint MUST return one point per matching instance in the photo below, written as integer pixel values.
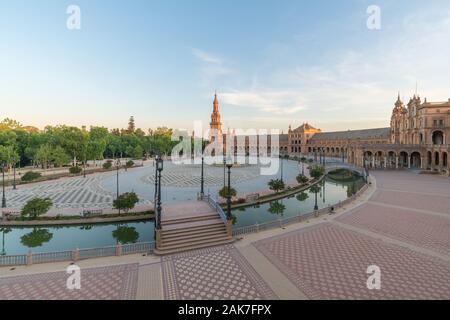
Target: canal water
(17, 240)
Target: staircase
(191, 231)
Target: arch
(416, 160)
(444, 160)
(436, 158)
(438, 137)
(391, 156)
(403, 159)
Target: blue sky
(273, 63)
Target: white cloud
(277, 102)
(211, 66)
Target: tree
(224, 192)
(8, 155)
(138, 152)
(126, 201)
(36, 207)
(43, 156)
(131, 125)
(316, 171)
(59, 157)
(276, 185)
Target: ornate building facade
(418, 137)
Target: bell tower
(215, 125)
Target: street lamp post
(84, 166)
(229, 165)
(14, 173)
(202, 178)
(3, 174)
(224, 167)
(117, 180)
(155, 163)
(159, 166)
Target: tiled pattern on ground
(215, 273)
(67, 193)
(436, 203)
(407, 181)
(191, 176)
(106, 283)
(329, 262)
(420, 229)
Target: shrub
(224, 192)
(30, 176)
(126, 201)
(129, 163)
(316, 171)
(107, 165)
(75, 170)
(36, 207)
(302, 179)
(276, 185)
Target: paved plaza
(323, 258)
(180, 183)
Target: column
(422, 162)
(385, 162)
(373, 161)
(396, 162)
(409, 161)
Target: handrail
(215, 205)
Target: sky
(272, 63)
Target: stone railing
(77, 254)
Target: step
(164, 251)
(184, 244)
(194, 233)
(190, 219)
(181, 240)
(193, 225)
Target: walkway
(402, 225)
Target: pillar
(422, 162)
(396, 162)
(385, 162)
(373, 162)
(119, 249)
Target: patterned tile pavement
(328, 262)
(435, 203)
(420, 229)
(105, 283)
(214, 273)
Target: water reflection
(124, 234)
(36, 238)
(326, 193)
(277, 208)
(4, 230)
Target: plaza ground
(401, 224)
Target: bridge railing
(215, 206)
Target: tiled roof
(381, 133)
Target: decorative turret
(215, 124)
